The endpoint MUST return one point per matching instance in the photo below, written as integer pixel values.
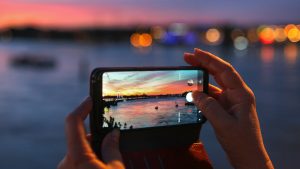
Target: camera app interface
(140, 99)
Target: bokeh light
(279, 34)
(292, 32)
(241, 43)
(141, 40)
(267, 35)
(178, 29)
(135, 39)
(213, 36)
(157, 32)
(252, 36)
(145, 40)
(288, 27)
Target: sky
(123, 13)
(148, 82)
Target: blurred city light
(266, 35)
(157, 32)
(169, 39)
(145, 40)
(279, 34)
(252, 35)
(213, 36)
(141, 40)
(178, 29)
(190, 38)
(241, 43)
(292, 32)
(135, 40)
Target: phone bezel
(96, 117)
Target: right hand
(231, 110)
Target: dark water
(143, 113)
(33, 103)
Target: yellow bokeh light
(279, 35)
(213, 35)
(141, 40)
(288, 27)
(293, 34)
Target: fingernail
(188, 53)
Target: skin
(79, 152)
(231, 109)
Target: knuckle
(70, 118)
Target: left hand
(79, 152)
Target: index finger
(79, 149)
(225, 75)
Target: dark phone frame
(141, 138)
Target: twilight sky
(150, 83)
(86, 13)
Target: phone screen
(142, 99)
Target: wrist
(257, 161)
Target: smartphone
(153, 107)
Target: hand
(231, 110)
(79, 152)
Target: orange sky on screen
(174, 89)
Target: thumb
(211, 109)
(110, 149)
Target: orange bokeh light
(134, 40)
(292, 32)
(288, 27)
(213, 36)
(141, 40)
(267, 35)
(293, 35)
(279, 34)
(145, 40)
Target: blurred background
(49, 47)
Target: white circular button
(189, 97)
